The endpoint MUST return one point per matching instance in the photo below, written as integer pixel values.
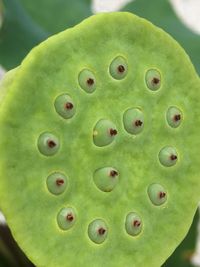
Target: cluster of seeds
(104, 133)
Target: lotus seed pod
(157, 194)
(168, 156)
(104, 133)
(64, 106)
(157, 165)
(106, 178)
(133, 120)
(66, 218)
(118, 68)
(174, 117)
(133, 224)
(98, 231)
(56, 183)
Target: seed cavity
(133, 120)
(66, 218)
(133, 224)
(98, 231)
(106, 178)
(48, 144)
(153, 79)
(157, 194)
(104, 133)
(174, 116)
(64, 106)
(118, 68)
(87, 81)
(168, 156)
(57, 183)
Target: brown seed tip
(69, 105)
(69, 217)
(90, 81)
(60, 181)
(173, 157)
(162, 195)
(138, 123)
(101, 231)
(121, 68)
(113, 132)
(177, 117)
(155, 80)
(136, 223)
(51, 143)
(113, 173)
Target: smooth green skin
(130, 116)
(26, 23)
(104, 181)
(161, 13)
(42, 76)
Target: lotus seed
(153, 79)
(64, 106)
(133, 120)
(48, 144)
(157, 194)
(174, 117)
(168, 156)
(133, 224)
(66, 218)
(104, 133)
(98, 231)
(87, 81)
(106, 178)
(118, 68)
(56, 183)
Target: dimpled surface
(28, 110)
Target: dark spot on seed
(101, 231)
(155, 80)
(136, 223)
(113, 173)
(113, 132)
(69, 105)
(60, 181)
(51, 143)
(173, 157)
(138, 123)
(69, 217)
(90, 81)
(177, 117)
(162, 195)
(121, 68)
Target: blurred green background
(26, 23)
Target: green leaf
(26, 23)
(161, 13)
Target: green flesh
(52, 69)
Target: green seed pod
(64, 106)
(168, 156)
(157, 194)
(118, 68)
(66, 218)
(98, 231)
(153, 79)
(133, 224)
(133, 120)
(48, 144)
(174, 117)
(104, 133)
(87, 81)
(106, 178)
(56, 183)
